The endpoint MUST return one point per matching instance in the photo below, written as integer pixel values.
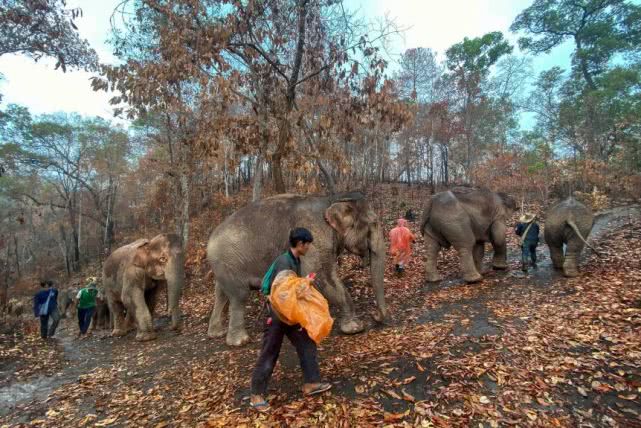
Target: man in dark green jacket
(300, 240)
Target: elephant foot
(144, 336)
(434, 277)
(237, 339)
(499, 265)
(352, 326)
(118, 333)
(379, 316)
(570, 273)
(218, 331)
(472, 278)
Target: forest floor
(532, 349)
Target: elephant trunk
(377, 270)
(175, 276)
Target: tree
(600, 29)
(469, 63)
(258, 57)
(44, 28)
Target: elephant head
(162, 259)
(359, 232)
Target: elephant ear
(341, 216)
(141, 256)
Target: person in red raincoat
(401, 245)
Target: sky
(435, 24)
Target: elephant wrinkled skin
(567, 223)
(466, 218)
(241, 249)
(132, 276)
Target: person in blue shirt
(45, 304)
(300, 240)
(528, 230)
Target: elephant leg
(432, 248)
(350, 324)
(216, 327)
(142, 315)
(151, 299)
(556, 254)
(117, 310)
(478, 253)
(572, 258)
(497, 237)
(236, 335)
(470, 274)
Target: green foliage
(600, 30)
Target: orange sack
(400, 242)
(296, 301)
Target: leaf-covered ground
(523, 350)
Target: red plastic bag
(296, 301)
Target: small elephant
(15, 307)
(101, 318)
(65, 302)
(241, 249)
(567, 223)
(466, 218)
(132, 276)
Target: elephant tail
(426, 214)
(576, 230)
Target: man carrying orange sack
(401, 245)
(300, 240)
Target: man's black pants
(272, 341)
(44, 326)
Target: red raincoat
(401, 242)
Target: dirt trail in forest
(472, 318)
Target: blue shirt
(41, 298)
(532, 233)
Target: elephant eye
(163, 259)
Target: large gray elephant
(567, 223)
(241, 249)
(466, 218)
(132, 276)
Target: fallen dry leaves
(513, 350)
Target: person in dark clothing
(44, 304)
(300, 240)
(528, 230)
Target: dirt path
(425, 355)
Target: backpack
(265, 286)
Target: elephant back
(557, 218)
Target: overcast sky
(436, 24)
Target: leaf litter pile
(523, 350)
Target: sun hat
(527, 218)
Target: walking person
(56, 314)
(86, 305)
(401, 239)
(44, 303)
(300, 240)
(528, 230)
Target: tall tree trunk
(64, 248)
(186, 196)
(257, 189)
(17, 255)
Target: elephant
(466, 218)
(132, 276)
(567, 223)
(241, 249)
(65, 302)
(15, 307)
(101, 317)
